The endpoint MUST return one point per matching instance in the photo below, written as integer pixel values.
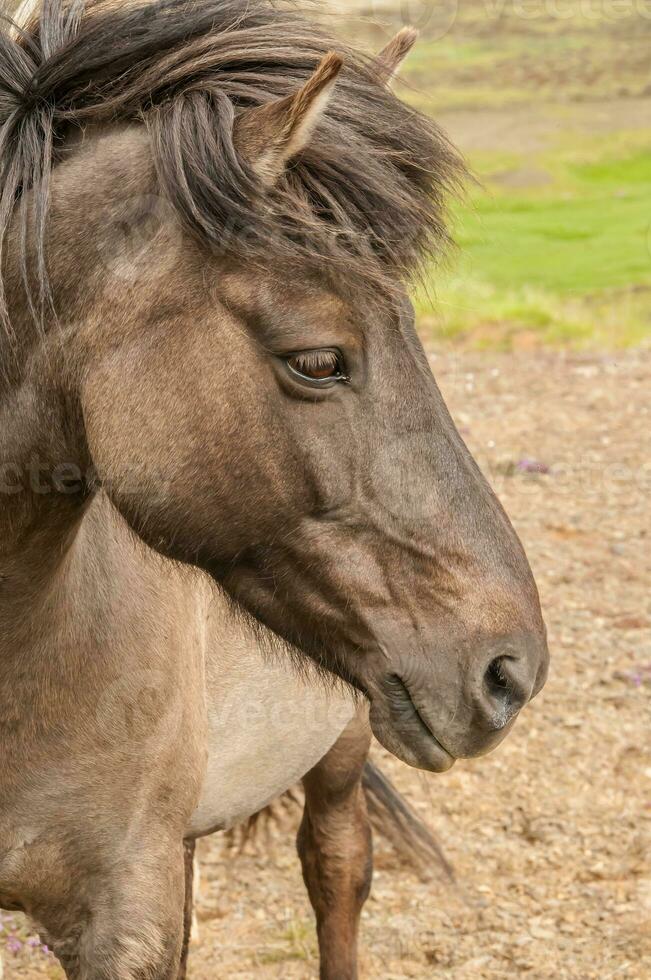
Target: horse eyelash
(315, 360)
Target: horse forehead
(281, 301)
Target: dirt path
(550, 836)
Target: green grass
(484, 317)
(555, 244)
(297, 942)
(587, 232)
(568, 258)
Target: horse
(216, 415)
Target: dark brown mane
(368, 196)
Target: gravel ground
(550, 836)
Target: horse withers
(211, 380)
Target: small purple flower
(637, 676)
(528, 465)
(14, 945)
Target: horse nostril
(504, 691)
(496, 679)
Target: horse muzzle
(429, 719)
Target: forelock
(366, 199)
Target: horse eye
(318, 365)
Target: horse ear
(390, 58)
(270, 135)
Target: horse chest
(267, 728)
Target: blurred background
(550, 100)
(538, 331)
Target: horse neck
(45, 465)
(41, 449)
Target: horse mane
(366, 199)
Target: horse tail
(396, 821)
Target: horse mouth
(400, 727)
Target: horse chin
(409, 739)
